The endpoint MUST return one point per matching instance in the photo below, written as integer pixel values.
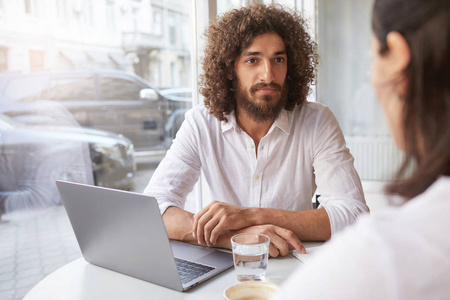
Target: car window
(67, 89)
(120, 89)
(27, 88)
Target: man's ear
(399, 51)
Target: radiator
(376, 158)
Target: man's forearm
(178, 223)
(308, 225)
(218, 217)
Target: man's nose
(267, 75)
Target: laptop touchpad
(187, 251)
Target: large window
(94, 101)
(343, 36)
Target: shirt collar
(282, 122)
(231, 124)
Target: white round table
(81, 280)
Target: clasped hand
(218, 217)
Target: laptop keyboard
(189, 270)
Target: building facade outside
(149, 38)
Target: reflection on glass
(95, 70)
(71, 76)
(44, 147)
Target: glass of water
(250, 253)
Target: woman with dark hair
(403, 252)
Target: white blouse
(399, 253)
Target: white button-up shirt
(302, 150)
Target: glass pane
(99, 104)
(344, 85)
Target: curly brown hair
(234, 32)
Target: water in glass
(250, 261)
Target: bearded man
(263, 149)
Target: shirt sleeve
(338, 183)
(176, 175)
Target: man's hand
(281, 240)
(217, 217)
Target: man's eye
(251, 60)
(279, 59)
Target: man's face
(260, 72)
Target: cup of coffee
(250, 254)
(250, 290)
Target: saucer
(248, 290)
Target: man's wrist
(256, 216)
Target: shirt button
(251, 146)
(262, 147)
(256, 177)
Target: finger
(201, 226)
(197, 217)
(218, 229)
(273, 251)
(215, 233)
(199, 233)
(280, 243)
(210, 226)
(291, 238)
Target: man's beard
(261, 108)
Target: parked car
(114, 101)
(32, 157)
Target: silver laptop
(124, 232)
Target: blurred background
(95, 91)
